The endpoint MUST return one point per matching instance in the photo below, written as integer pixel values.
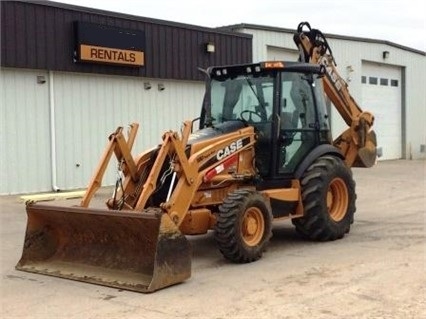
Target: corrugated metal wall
(24, 132)
(281, 54)
(263, 38)
(89, 108)
(40, 35)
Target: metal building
(384, 78)
(70, 75)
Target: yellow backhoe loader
(263, 151)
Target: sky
(398, 21)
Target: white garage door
(381, 94)
(281, 54)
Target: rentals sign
(110, 55)
(98, 43)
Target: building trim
(131, 17)
(234, 27)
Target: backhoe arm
(358, 142)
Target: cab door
(297, 122)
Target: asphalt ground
(378, 270)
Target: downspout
(52, 133)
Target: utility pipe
(52, 133)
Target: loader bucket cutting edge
(139, 251)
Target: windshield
(244, 97)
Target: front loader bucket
(139, 251)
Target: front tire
(328, 195)
(243, 226)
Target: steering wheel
(249, 114)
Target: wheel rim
(337, 199)
(253, 226)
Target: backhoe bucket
(367, 155)
(139, 251)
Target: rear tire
(328, 195)
(243, 226)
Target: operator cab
(283, 101)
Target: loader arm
(358, 142)
(122, 148)
(141, 174)
(192, 165)
(195, 170)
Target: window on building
(372, 80)
(384, 82)
(363, 79)
(394, 82)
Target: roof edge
(329, 35)
(127, 16)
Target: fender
(318, 151)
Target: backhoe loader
(263, 151)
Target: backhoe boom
(358, 142)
